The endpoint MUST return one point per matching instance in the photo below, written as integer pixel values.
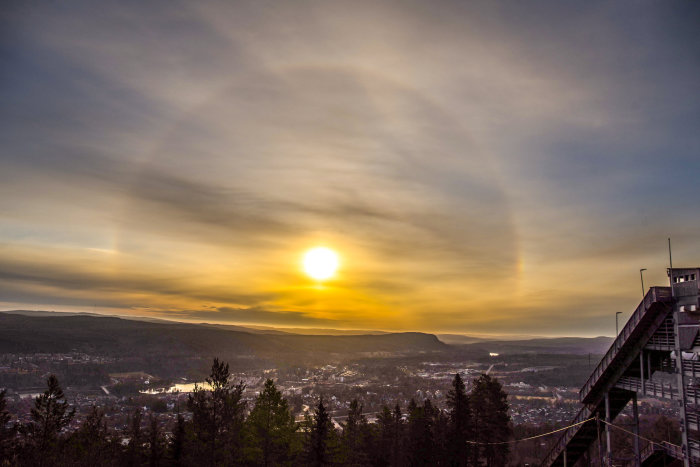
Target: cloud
(254, 316)
(469, 156)
(66, 272)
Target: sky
(480, 167)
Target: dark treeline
(223, 431)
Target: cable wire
(661, 445)
(530, 437)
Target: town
(537, 395)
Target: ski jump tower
(660, 336)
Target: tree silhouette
(49, 415)
(420, 436)
(217, 419)
(385, 435)
(90, 444)
(7, 434)
(356, 436)
(459, 422)
(178, 441)
(156, 442)
(438, 423)
(397, 438)
(219, 434)
(320, 444)
(270, 428)
(489, 408)
(134, 450)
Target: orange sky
(479, 167)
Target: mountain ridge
(20, 333)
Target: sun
(320, 263)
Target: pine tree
(440, 428)
(436, 429)
(178, 444)
(217, 419)
(397, 438)
(270, 429)
(420, 436)
(490, 418)
(134, 454)
(156, 443)
(459, 422)
(385, 423)
(356, 436)
(7, 433)
(90, 444)
(320, 443)
(50, 415)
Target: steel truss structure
(661, 336)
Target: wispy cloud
(177, 157)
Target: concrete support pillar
(607, 428)
(565, 464)
(635, 414)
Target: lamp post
(616, 315)
(641, 276)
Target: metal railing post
(682, 399)
(635, 414)
(641, 370)
(607, 427)
(600, 444)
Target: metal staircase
(661, 329)
(663, 455)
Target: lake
(183, 387)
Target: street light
(616, 314)
(641, 276)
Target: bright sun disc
(320, 263)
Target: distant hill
(459, 339)
(47, 331)
(303, 331)
(317, 331)
(253, 328)
(48, 313)
(557, 345)
(56, 333)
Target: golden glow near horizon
(321, 263)
(505, 194)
